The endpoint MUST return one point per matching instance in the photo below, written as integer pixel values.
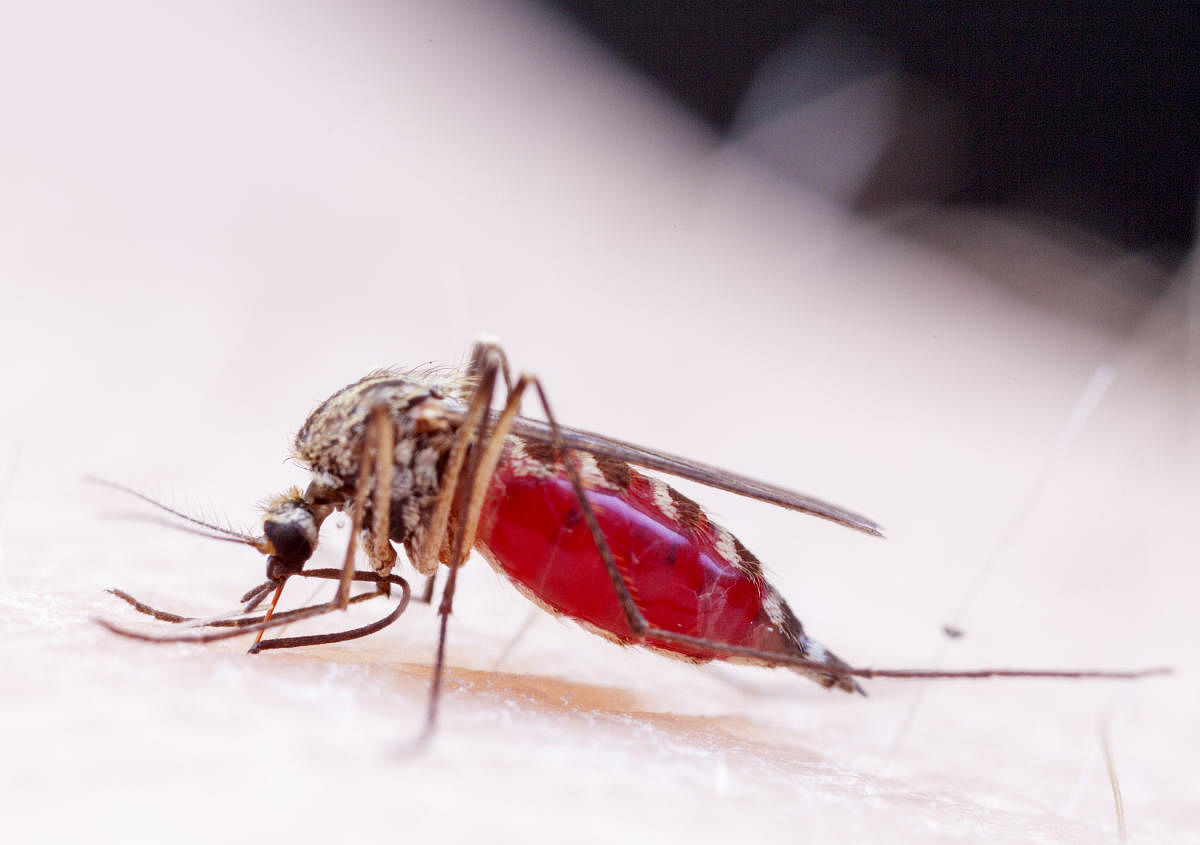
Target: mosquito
(421, 459)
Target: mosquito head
(291, 524)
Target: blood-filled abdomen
(685, 574)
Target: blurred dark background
(1083, 113)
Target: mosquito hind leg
(641, 629)
(377, 445)
(633, 615)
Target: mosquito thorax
(425, 409)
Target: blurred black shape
(1087, 113)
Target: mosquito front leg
(381, 582)
(383, 556)
(238, 630)
(249, 625)
(378, 432)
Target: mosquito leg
(141, 607)
(250, 625)
(353, 633)
(339, 636)
(472, 489)
(488, 357)
(491, 448)
(291, 614)
(373, 436)
(426, 596)
(483, 369)
(288, 615)
(447, 605)
(484, 349)
(250, 600)
(383, 556)
(478, 422)
(254, 596)
(238, 629)
(175, 618)
(382, 584)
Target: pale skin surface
(179, 351)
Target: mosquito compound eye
(290, 539)
(292, 531)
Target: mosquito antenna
(214, 532)
(175, 526)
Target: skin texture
(354, 196)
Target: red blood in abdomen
(534, 530)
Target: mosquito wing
(597, 444)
